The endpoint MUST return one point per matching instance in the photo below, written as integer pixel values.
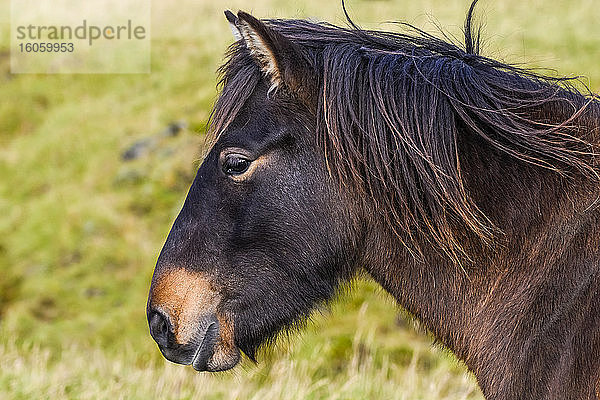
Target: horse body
(477, 179)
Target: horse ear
(233, 25)
(278, 58)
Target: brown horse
(466, 187)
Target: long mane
(392, 107)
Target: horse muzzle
(184, 322)
(199, 352)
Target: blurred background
(94, 169)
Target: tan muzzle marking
(185, 297)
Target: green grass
(80, 229)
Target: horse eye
(235, 164)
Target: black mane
(391, 107)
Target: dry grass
(29, 372)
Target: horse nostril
(159, 328)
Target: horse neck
(476, 308)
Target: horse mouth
(206, 348)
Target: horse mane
(392, 106)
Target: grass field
(80, 229)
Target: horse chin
(222, 361)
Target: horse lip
(203, 354)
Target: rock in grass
(148, 144)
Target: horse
(466, 187)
